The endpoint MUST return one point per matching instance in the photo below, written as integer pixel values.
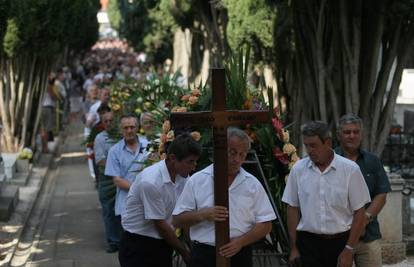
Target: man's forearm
(357, 226)
(293, 217)
(168, 234)
(188, 218)
(377, 204)
(121, 183)
(259, 231)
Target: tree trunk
(182, 53)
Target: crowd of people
(332, 196)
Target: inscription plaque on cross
(220, 119)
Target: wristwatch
(369, 216)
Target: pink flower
(280, 156)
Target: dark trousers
(112, 223)
(320, 250)
(143, 251)
(205, 256)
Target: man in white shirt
(149, 238)
(250, 210)
(326, 195)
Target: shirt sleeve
(382, 183)
(186, 201)
(112, 167)
(99, 147)
(358, 190)
(263, 209)
(290, 195)
(154, 207)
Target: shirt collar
(165, 175)
(340, 151)
(240, 177)
(333, 164)
(125, 147)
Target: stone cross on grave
(219, 119)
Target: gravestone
(390, 219)
(9, 195)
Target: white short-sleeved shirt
(151, 197)
(248, 204)
(327, 200)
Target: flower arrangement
(26, 153)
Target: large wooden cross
(219, 119)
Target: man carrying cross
(250, 210)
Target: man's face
(107, 119)
(237, 152)
(147, 124)
(317, 150)
(129, 128)
(185, 166)
(105, 94)
(350, 136)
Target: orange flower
(195, 92)
(185, 98)
(181, 109)
(193, 100)
(166, 126)
(248, 104)
(163, 138)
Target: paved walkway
(71, 233)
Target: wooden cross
(219, 119)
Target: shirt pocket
(337, 197)
(244, 211)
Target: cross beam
(220, 119)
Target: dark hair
(103, 108)
(128, 116)
(316, 128)
(183, 146)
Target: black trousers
(320, 250)
(203, 255)
(143, 251)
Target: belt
(325, 236)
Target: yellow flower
(286, 136)
(178, 232)
(195, 92)
(138, 110)
(294, 157)
(147, 105)
(116, 107)
(289, 149)
(166, 126)
(196, 136)
(193, 100)
(170, 136)
(185, 98)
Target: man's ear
(171, 157)
(328, 141)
